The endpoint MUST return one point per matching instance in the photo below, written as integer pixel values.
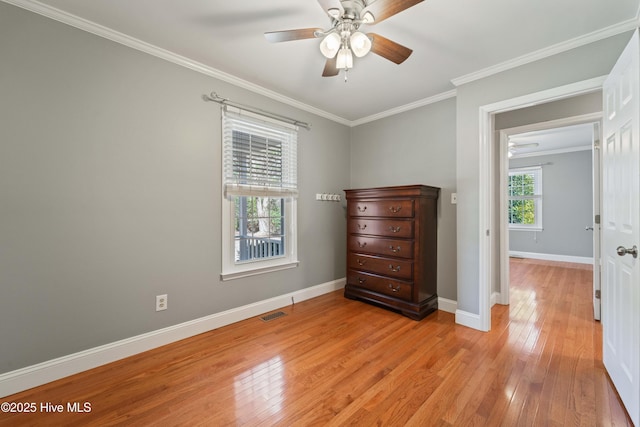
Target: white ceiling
(557, 140)
(451, 40)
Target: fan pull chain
(346, 70)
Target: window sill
(256, 271)
(516, 228)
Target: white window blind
(259, 155)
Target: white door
(620, 223)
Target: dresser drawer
(382, 285)
(384, 247)
(382, 208)
(381, 227)
(397, 268)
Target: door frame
(596, 159)
(488, 173)
(503, 173)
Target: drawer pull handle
(395, 209)
(394, 289)
(394, 250)
(360, 209)
(361, 281)
(395, 229)
(360, 262)
(361, 244)
(362, 227)
(394, 269)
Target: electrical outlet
(161, 302)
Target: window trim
(537, 198)
(235, 270)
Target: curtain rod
(214, 97)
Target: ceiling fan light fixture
(330, 45)
(334, 12)
(368, 18)
(360, 44)
(345, 59)
(343, 39)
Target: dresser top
(396, 191)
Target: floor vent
(272, 316)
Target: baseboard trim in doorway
(447, 305)
(496, 298)
(470, 320)
(552, 257)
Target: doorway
(489, 253)
(559, 146)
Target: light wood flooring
(333, 361)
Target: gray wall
(110, 182)
(415, 147)
(561, 109)
(582, 63)
(566, 208)
(110, 185)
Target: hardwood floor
(333, 361)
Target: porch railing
(258, 247)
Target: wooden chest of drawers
(391, 248)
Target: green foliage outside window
(522, 205)
(261, 216)
(522, 212)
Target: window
(525, 198)
(260, 190)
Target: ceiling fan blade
(289, 35)
(330, 68)
(382, 9)
(388, 49)
(525, 145)
(332, 5)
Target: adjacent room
(364, 212)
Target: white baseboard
(447, 305)
(496, 298)
(469, 320)
(552, 257)
(42, 373)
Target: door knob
(587, 228)
(622, 251)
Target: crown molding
(586, 39)
(420, 103)
(550, 152)
(123, 39)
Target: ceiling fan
(344, 39)
(514, 146)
